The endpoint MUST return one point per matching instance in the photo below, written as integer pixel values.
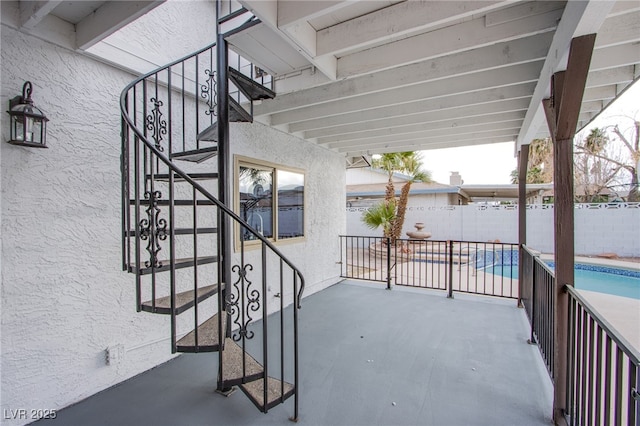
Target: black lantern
(28, 122)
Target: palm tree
(409, 163)
(596, 144)
(411, 166)
(596, 141)
(592, 173)
(381, 215)
(539, 163)
(390, 163)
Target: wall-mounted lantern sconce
(28, 122)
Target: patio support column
(523, 160)
(224, 161)
(562, 110)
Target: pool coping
(612, 263)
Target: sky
(493, 163)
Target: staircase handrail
(151, 146)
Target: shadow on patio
(368, 356)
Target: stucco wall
(597, 229)
(64, 296)
(324, 196)
(366, 176)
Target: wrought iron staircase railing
(172, 230)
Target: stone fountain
(419, 234)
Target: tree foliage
(380, 216)
(410, 164)
(592, 173)
(605, 153)
(539, 163)
(607, 157)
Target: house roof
(417, 188)
(503, 192)
(472, 192)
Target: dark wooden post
(562, 110)
(523, 160)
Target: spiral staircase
(239, 298)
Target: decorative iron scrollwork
(153, 229)
(243, 300)
(208, 91)
(156, 124)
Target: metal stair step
(164, 177)
(235, 364)
(207, 341)
(210, 134)
(182, 231)
(249, 87)
(277, 392)
(196, 155)
(237, 113)
(184, 300)
(179, 264)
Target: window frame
(242, 161)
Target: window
(276, 214)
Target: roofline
(413, 192)
(509, 186)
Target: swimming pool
(601, 279)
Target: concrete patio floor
(368, 356)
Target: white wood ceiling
(90, 21)
(366, 77)
(371, 76)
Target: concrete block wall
(604, 230)
(598, 228)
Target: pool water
(586, 278)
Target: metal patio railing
(603, 379)
(538, 284)
(602, 375)
(488, 268)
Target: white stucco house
(89, 224)
(366, 187)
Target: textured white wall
(364, 176)
(597, 229)
(324, 197)
(64, 296)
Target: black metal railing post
(450, 269)
(532, 339)
(388, 240)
